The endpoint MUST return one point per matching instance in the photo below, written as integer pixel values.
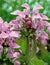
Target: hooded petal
(13, 44)
(14, 34)
(3, 35)
(16, 63)
(25, 5)
(17, 12)
(16, 54)
(42, 35)
(10, 52)
(44, 16)
(5, 26)
(37, 6)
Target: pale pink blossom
(3, 35)
(43, 37)
(16, 63)
(13, 54)
(37, 6)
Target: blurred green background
(7, 6)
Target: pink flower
(17, 12)
(13, 54)
(15, 24)
(42, 24)
(5, 26)
(27, 10)
(38, 6)
(35, 10)
(25, 5)
(16, 63)
(44, 17)
(10, 52)
(3, 35)
(24, 12)
(43, 37)
(34, 24)
(14, 34)
(13, 44)
(16, 54)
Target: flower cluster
(26, 24)
(36, 22)
(8, 39)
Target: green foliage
(6, 7)
(36, 61)
(23, 43)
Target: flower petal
(14, 34)
(25, 5)
(17, 12)
(16, 63)
(3, 35)
(38, 6)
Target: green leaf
(23, 43)
(36, 61)
(45, 28)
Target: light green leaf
(36, 61)
(23, 43)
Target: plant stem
(31, 50)
(33, 47)
(44, 52)
(27, 51)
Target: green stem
(44, 52)
(27, 51)
(33, 51)
(34, 47)
(30, 50)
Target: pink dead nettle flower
(5, 26)
(42, 24)
(35, 11)
(35, 21)
(8, 37)
(16, 63)
(15, 24)
(22, 14)
(3, 35)
(38, 16)
(42, 37)
(38, 6)
(12, 53)
(27, 10)
(12, 43)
